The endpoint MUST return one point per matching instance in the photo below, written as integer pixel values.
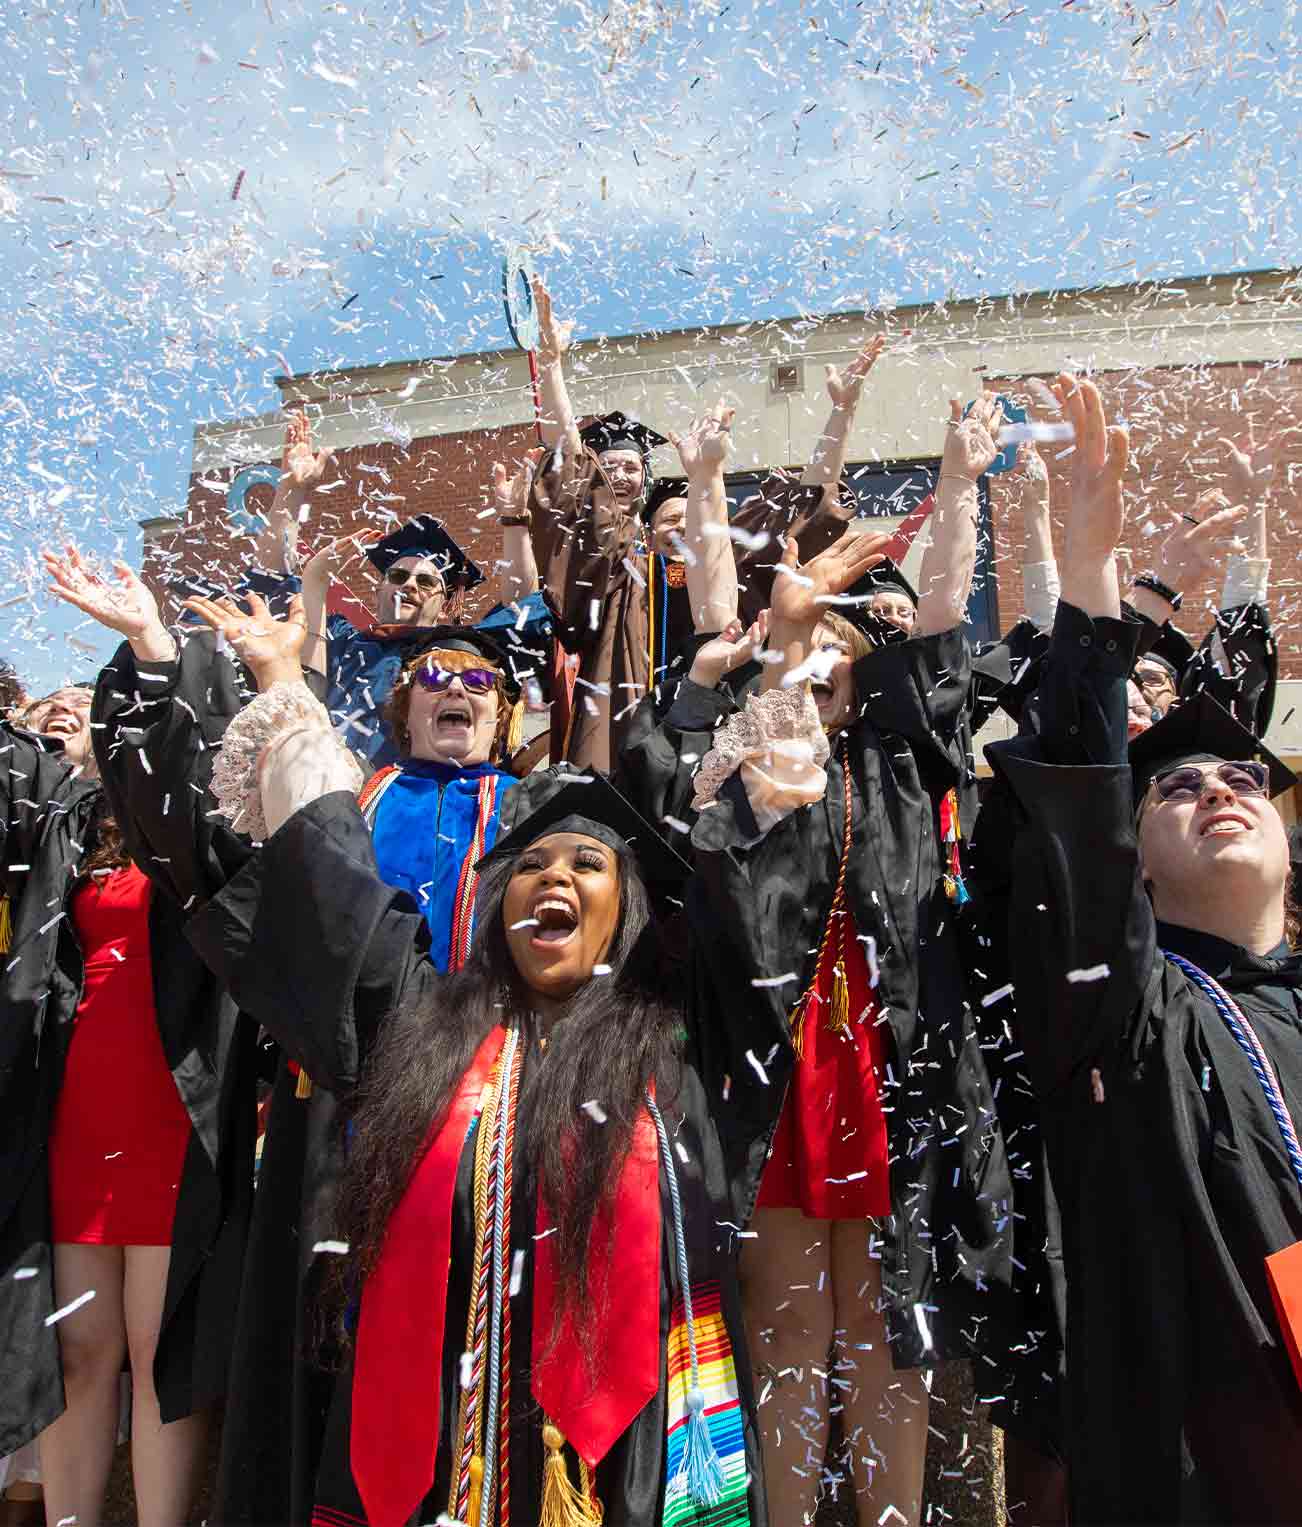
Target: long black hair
(618, 1032)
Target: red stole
(397, 1371)
(594, 1403)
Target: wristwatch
(1154, 585)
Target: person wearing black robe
(334, 962)
(1136, 950)
(942, 1255)
(173, 715)
(51, 816)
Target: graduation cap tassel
(6, 925)
(515, 729)
(562, 1504)
(303, 1086)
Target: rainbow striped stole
(718, 1376)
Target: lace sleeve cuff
(255, 800)
(778, 748)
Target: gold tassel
(798, 1027)
(476, 1490)
(6, 925)
(515, 729)
(562, 1504)
(303, 1087)
(838, 1021)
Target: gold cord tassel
(476, 1490)
(839, 1019)
(798, 1026)
(303, 1087)
(6, 925)
(515, 729)
(562, 1504)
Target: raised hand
(801, 593)
(553, 336)
(1250, 473)
(1030, 475)
(327, 562)
(734, 645)
(270, 648)
(972, 443)
(125, 605)
(1097, 516)
(1198, 542)
(301, 467)
(704, 449)
(845, 387)
(511, 491)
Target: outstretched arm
(711, 562)
(844, 388)
(301, 470)
(511, 497)
(557, 423)
(950, 558)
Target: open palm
(256, 636)
(802, 593)
(124, 605)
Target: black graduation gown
(310, 940)
(946, 1257)
(47, 812)
(1167, 1164)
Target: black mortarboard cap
(665, 488)
(424, 536)
(1199, 731)
(617, 432)
(590, 804)
(462, 639)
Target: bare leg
(77, 1450)
(1035, 1485)
(885, 1411)
(165, 1459)
(787, 1302)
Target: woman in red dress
(869, 1240)
(117, 1146)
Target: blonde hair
(847, 633)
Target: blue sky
(676, 166)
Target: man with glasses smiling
(1157, 999)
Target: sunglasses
(427, 583)
(477, 680)
(1186, 783)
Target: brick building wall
(447, 476)
(1177, 417)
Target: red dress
(120, 1129)
(830, 1155)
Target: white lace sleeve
(778, 745)
(278, 754)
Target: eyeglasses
(1152, 678)
(427, 583)
(1188, 781)
(477, 680)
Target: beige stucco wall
(666, 378)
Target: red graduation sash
(595, 1403)
(397, 1371)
